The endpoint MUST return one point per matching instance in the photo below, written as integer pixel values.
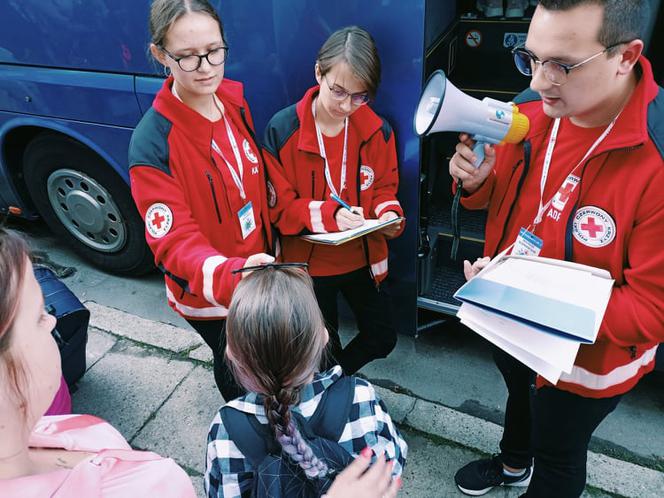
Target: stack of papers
(337, 238)
(539, 310)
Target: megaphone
(443, 107)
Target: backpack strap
(253, 439)
(333, 411)
(256, 441)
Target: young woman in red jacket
(197, 175)
(331, 144)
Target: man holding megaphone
(585, 185)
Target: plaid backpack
(275, 474)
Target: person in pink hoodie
(65, 455)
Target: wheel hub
(86, 210)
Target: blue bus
(76, 77)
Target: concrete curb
(604, 472)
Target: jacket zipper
(526, 167)
(214, 195)
(365, 244)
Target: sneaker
(481, 476)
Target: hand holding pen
(347, 217)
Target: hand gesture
(256, 260)
(470, 270)
(462, 164)
(391, 230)
(358, 482)
(347, 220)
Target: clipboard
(338, 238)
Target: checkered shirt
(369, 425)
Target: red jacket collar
(195, 126)
(630, 129)
(363, 122)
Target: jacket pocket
(214, 195)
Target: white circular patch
(158, 220)
(366, 177)
(593, 227)
(271, 195)
(248, 152)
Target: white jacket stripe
(379, 268)
(316, 217)
(383, 205)
(209, 266)
(618, 375)
(189, 311)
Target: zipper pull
(632, 352)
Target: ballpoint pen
(343, 203)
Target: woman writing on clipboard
(331, 145)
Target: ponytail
(277, 410)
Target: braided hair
(275, 340)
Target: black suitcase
(71, 330)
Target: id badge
(527, 244)
(247, 221)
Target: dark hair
(275, 336)
(624, 20)
(357, 48)
(163, 13)
(14, 254)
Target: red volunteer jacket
(296, 173)
(613, 219)
(180, 191)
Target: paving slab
(202, 353)
(604, 473)
(153, 333)
(128, 385)
(180, 428)
(99, 343)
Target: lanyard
(321, 147)
(237, 175)
(237, 178)
(547, 163)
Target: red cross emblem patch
(593, 227)
(158, 220)
(366, 177)
(562, 196)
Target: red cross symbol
(157, 220)
(364, 177)
(592, 228)
(564, 193)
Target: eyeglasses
(554, 71)
(191, 63)
(338, 93)
(274, 266)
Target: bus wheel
(87, 204)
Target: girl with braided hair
(276, 339)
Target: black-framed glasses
(554, 71)
(338, 93)
(191, 63)
(274, 266)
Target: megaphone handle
(478, 150)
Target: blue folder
(546, 314)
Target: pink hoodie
(113, 471)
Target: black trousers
(551, 426)
(213, 333)
(373, 314)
